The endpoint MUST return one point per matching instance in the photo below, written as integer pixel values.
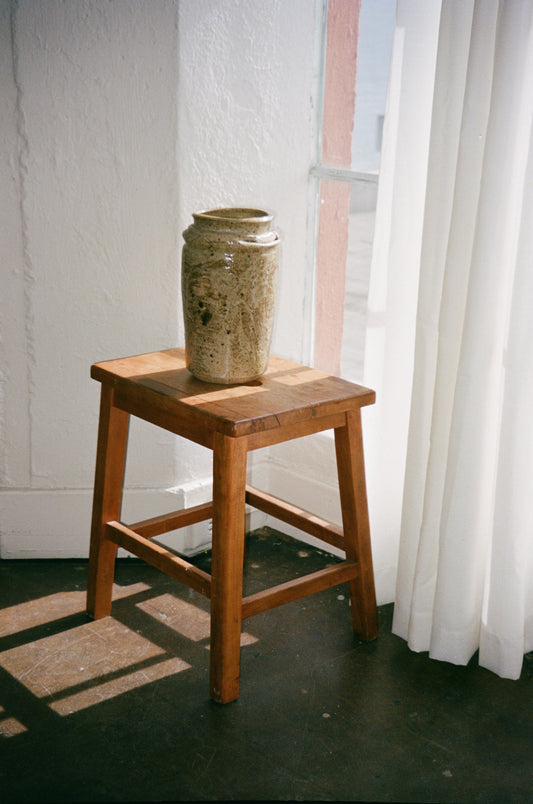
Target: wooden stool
(288, 402)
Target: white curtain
(454, 347)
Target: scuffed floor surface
(118, 709)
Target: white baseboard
(320, 496)
(56, 523)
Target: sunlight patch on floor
(10, 726)
(62, 669)
(53, 607)
(117, 686)
(188, 620)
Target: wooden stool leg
(109, 477)
(229, 483)
(352, 488)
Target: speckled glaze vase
(228, 276)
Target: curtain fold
(465, 572)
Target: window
(357, 45)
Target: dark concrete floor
(118, 709)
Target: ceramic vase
(228, 276)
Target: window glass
(376, 27)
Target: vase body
(228, 277)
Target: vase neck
(239, 223)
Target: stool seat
(289, 401)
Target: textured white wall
(247, 125)
(119, 119)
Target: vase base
(223, 380)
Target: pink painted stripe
(338, 117)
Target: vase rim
(235, 213)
